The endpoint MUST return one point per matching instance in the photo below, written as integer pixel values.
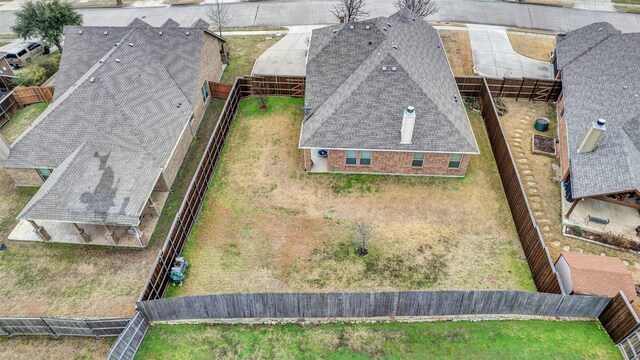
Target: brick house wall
(563, 148)
(393, 162)
(170, 172)
(25, 177)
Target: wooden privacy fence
(544, 273)
(62, 327)
(127, 344)
(520, 89)
(158, 279)
(21, 97)
(372, 304)
(619, 318)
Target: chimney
(593, 136)
(408, 121)
(4, 148)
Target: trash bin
(542, 124)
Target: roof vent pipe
(5, 149)
(591, 140)
(408, 122)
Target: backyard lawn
(439, 340)
(21, 121)
(65, 348)
(82, 281)
(540, 174)
(267, 226)
(244, 51)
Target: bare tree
(422, 8)
(363, 232)
(219, 15)
(261, 94)
(349, 10)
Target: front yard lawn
(267, 226)
(244, 50)
(535, 47)
(439, 340)
(21, 121)
(458, 48)
(82, 280)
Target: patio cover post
(573, 206)
(110, 235)
(152, 205)
(40, 231)
(83, 234)
(138, 235)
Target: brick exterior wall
(25, 177)
(210, 70)
(177, 157)
(392, 162)
(563, 148)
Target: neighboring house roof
(604, 82)
(353, 104)
(132, 101)
(599, 275)
(200, 24)
(170, 23)
(581, 40)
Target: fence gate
(630, 347)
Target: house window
(455, 160)
(44, 173)
(205, 91)
(191, 118)
(351, 157)
(562, 112)
(365, 157)
(418, 159)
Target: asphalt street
(314, 12)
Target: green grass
(439, 340)
(254, 28)
(243, 53)
(628, 8)
(637, 2)
(21, 121)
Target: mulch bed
(608, 238)
(544, 145)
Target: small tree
(422, 8)
(261, 94)
(45, 19)
(219, 15)
(349, 10)
(363, 231)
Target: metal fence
(373, 304)
(127, 344)
(62, 327)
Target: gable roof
(170, 23)
(604, 83)
(353, 104)
(132, 100)
(599, 275)
(581, 40)
(200, 24)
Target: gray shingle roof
(355, 105)
(579, 41)
(604, 82)
(137, 108)
(200, 24)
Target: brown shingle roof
(599, 275)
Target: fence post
(90, 328)
(49, 327)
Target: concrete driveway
(288, 56)
(493, 55)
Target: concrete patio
(67, 232)
(623, 219)
(319, 164)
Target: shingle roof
(581, 40)
(170, 23)
(599, 275)
(137, 107)
(200, 24)
(353, 104)
(97, 184)
(604, 82)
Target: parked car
(23, 53)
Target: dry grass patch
(541, 185)
(29, 348)
(268, 226)
(243, 53)
(565, 3)
(532, 46)
(458, 47)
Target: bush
(37, 72)
(501, 106)
(472, 103)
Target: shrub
(472, 103)
(501, 106)
(36, 73)
(577, 231)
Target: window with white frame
(205, 91)
(351, 157)
(455, 160)
(365, 157)
(44, 173)
(418, 160)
